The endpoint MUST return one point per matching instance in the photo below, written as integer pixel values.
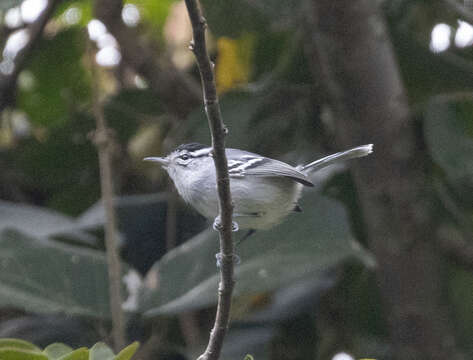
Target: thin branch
(178, 92)
(218, 131)
(103, 139)
(35, 31)
(188, 321)
(171, 221)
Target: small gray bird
(264, 191)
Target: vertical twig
(218, 132)
(188, 321)
(178, 92)
(171, 221)
(103, 140)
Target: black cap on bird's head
(191, 147)
(192, 150)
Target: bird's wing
(241, 164)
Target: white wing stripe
(234, 163)
(241, 166)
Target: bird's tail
(357, 152)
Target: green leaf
(41, 222)
(137, 215)
(18, 344)
(78, 354)
(59, 79)
(22, 350)
(57, 350)
(101, 351)
(154, 13)
(302, 247)
(449, 136)
(141, 220)
(41, 275)
(7, 353)
(128, 352)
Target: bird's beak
(162, 161)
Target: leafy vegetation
(312, 277)
(15, 349)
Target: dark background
(377, 266)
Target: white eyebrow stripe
(201, 152)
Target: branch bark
(35, 31)
(178, 92)
(218, 132)
(357, 64)
(103, 139)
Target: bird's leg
(219, 257)
(217, 226)
(236, 258)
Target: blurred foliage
(59, 159)
(233, 67)
(58, 80)
(79, 18)
(460, 288)
(451, 142)
(7, 4)
(15, 349)
(51, 219)
(29, 276)
(269, 261)
(233, 18)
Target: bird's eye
(184, 157)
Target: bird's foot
(217, 225)
(219, 257)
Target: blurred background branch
(103, 139)
(8, 79)
(370, 102)
(179, 92)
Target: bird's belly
(265, 202)
(258, 204)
